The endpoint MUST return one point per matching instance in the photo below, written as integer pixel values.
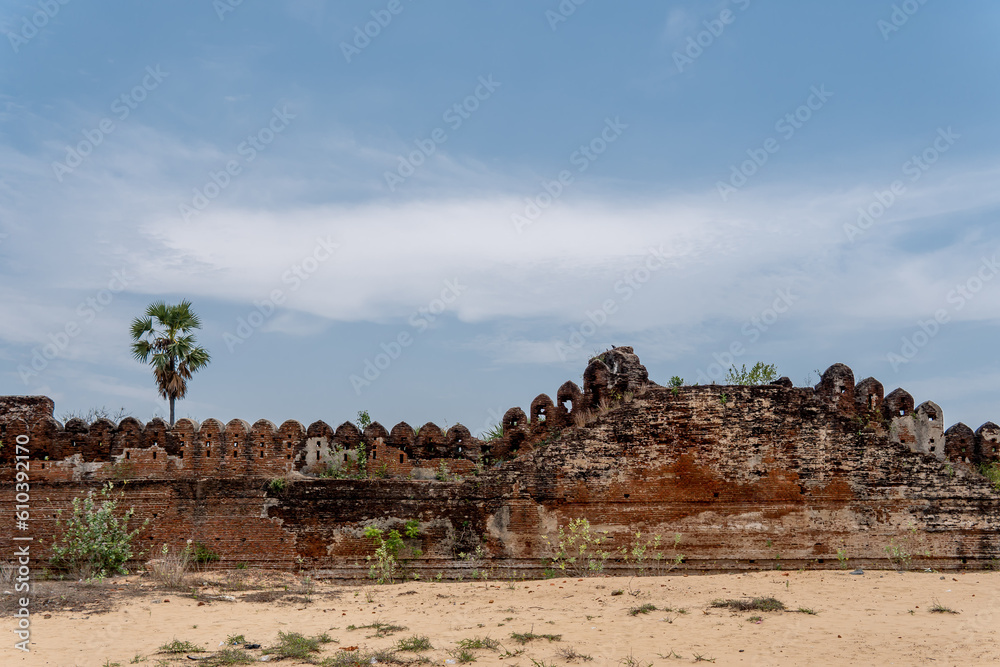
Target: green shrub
(384, 564)
(203, 555)
(577, 550)
(991, 471)
(761, 373)
(95, 542)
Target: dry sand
(872, 619)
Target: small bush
(203, 555)
(761, 373)
(991, 471)
(95, 540)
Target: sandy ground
(872, 619)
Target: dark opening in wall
(401, 457)
(626, 495)
(128, 455)
(154, 456)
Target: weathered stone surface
(750, 477)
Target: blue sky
(487, 193)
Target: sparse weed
(231, 656)
(642, 609)
(177, 646)
(414, 644)
(525, 637)
(296, 645)
(577, 550)
(750, 604)
(381, 629)
(631, 661)
(462, 655)
(938, 608)
(479, 643)
(570, 654)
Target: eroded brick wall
(749, 477)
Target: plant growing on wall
(384, 564)
(761, 373)
(94, 541)
(163, 339)
(991, 471)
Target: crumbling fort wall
(748, 477)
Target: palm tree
(163, 339)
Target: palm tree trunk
(171, 412)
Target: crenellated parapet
(920, 428)
(238, 449)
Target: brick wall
(750, 477)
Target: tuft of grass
(750, 604)
(756, 619)
(381, 629)
(364, 658)
(570, 654)
(296, 645)
(231, 656)
(525, 637)
(806, 610)
(631, 661)
(414, 644)
(479, 643)
(177, 646)
(672, 654)
(232, 640)
(938, 608)
(462, 655)
(700, 658)
(643, 609)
